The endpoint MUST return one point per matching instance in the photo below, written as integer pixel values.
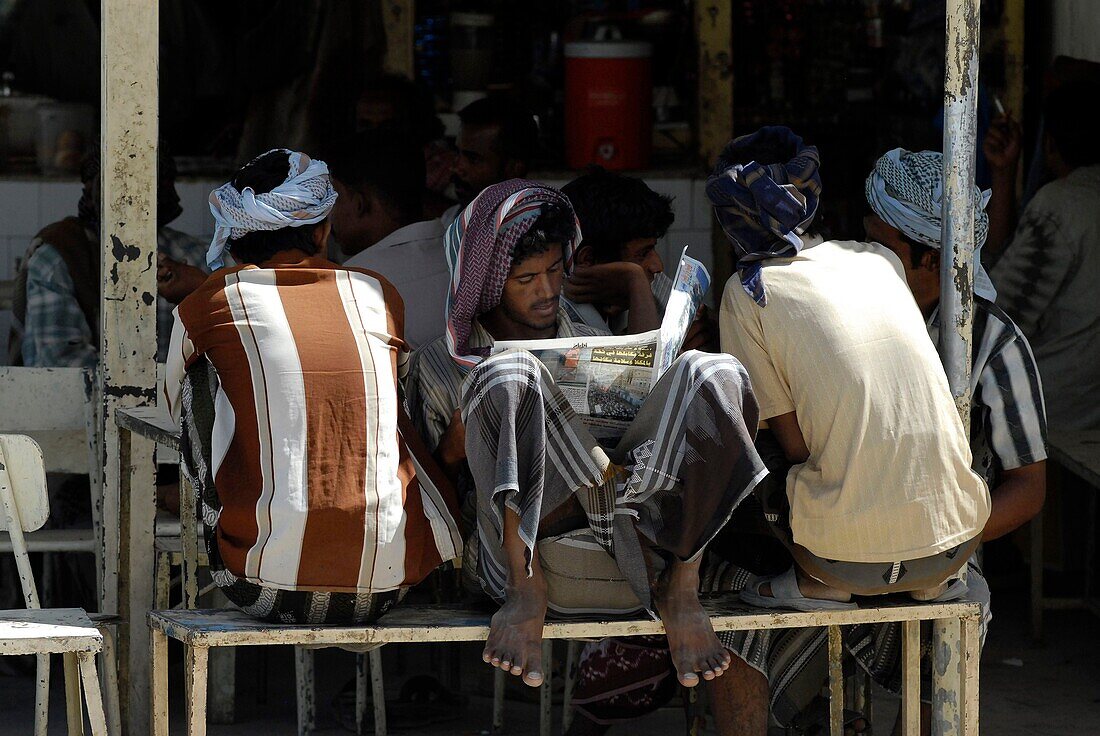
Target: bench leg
(158, 649)
(163, 594)
(92, 695)
(947, 681)
(109, 678)
(378, 691)
(303, 678)
(1036, 532)
(223, 685)
(572, 653)
(189, 510)
(195, 663)
(836, 682)
(42, 695)
(362, 677)
(910, 678)
(972, 653)
(499, 676)
(74, 708)
(546, 694)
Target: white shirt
(450, 215)
(412, 259)
(843, 345)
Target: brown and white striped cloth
(319, 489)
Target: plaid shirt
(57, 334)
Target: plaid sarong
(690, 450)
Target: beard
(532, 322)
(464, 191)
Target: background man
(378, 223)
(622, 220)
(1048, 274)
(319, 516)
(497, 141)
(56, 302)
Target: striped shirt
(319, 490)
(1008, 425)
(434, 383)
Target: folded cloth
(764, 209)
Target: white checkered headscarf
(305, 198)
(905, 189)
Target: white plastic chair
(42, 632)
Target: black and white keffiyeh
(305, 198)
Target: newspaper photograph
(606, 379)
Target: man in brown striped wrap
(318, 503)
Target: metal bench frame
(956, 650)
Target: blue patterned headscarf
(765, 208)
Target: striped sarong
(689, 454)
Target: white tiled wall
(26, 206)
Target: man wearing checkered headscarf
(906, 191)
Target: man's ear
(584, 256)
(320, 236)
(930, 261)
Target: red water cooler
(608, 104)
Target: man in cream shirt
(379, 177)
(880, 496)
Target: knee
(510, 367)
(507, 378)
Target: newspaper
(606, 379)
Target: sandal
(785, 594)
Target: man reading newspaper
(566, 523)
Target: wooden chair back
(24, 502)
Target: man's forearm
(1017, 500)
(643, 315)
(1001, 210)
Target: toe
(487, 656)
(688, 679)
(532, 670)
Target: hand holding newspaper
(606, 379)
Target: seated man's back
(871, 399)
(316, 488)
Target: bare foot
(515, 633)
(691, 639)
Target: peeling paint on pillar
(959, 146)
(128, 90)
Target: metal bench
(956, 650)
